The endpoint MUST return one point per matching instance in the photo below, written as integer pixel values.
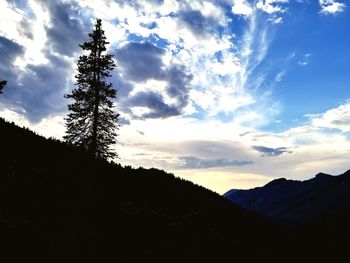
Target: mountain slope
(59, 205)
(296, 201)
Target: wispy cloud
(304, 61)
(280, 75)
(192, 162)
(192, 76)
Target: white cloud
(242, 7)
(229, 74)
(10, 20)
(153, 143)
(313, 149)
(272, 6)
(210, 9)
(332, 7)
(337, 118)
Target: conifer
(91, 121)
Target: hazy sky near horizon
(228, 93)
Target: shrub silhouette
(2, 85)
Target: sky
(227, 94)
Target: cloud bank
(196, 83)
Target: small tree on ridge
(2, 85)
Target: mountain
(297, 201)
(57, 204)
(315, 214)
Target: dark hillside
(59, 205)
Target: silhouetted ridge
(289, 200)
(276, 182)
(58, 204)
(323, 176)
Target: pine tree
(2, 85)
(91, 122)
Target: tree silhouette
(91, 122)
(2, 85)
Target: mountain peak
(276, 182)
(322, 175)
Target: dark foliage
(2, 85)
(59, 204)
(91, 122)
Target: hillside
(59, 205)
(297, 201)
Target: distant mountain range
(297, 201)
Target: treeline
(60, 204)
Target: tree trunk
(97, 102)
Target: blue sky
(228, 94)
